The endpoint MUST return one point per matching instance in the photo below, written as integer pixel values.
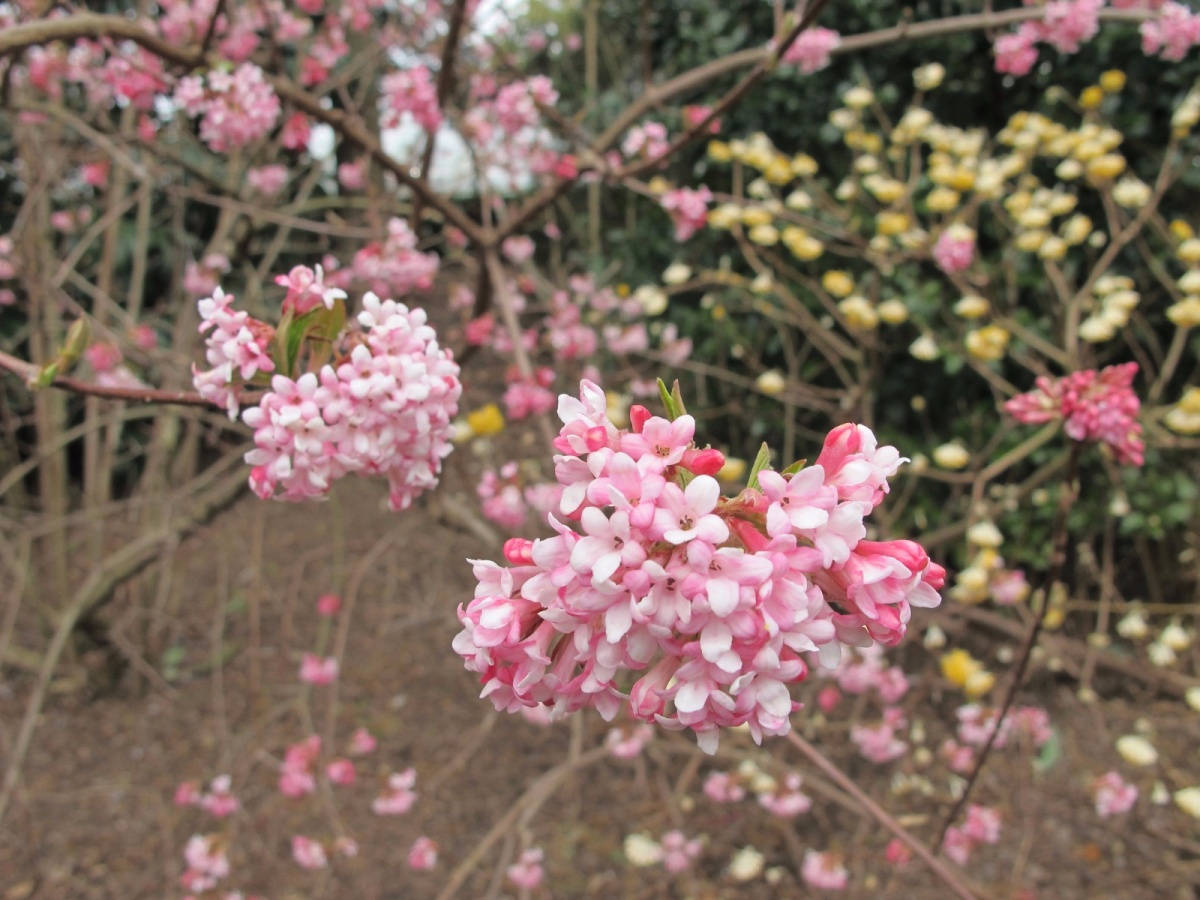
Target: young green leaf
(760, 462)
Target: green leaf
(1050, 754)
(668, 401)
(795, 467)
(760, 462)
(677, 396)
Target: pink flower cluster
(1093, 406)
(527, 872)
(982, 826)
(1113, 794)
(207, 862)
(716, 598)
(238, 107)
(688, 208)
(648, 139)
(395, 266)
(954, 251)
(217, 801)
(1173, 33)
(500, 497)
(410, 91)
(384, 408)
(237, 346)
(811, 51)
(824, 870)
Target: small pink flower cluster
(1173, 33)
(1093, 405)
(953, 252)
(500, 497)
(384, 409)
(716, 597)
(824, 870)
(527, 873)
(524, 398)
(399, 796)
(411, 91)
(811, 51)
(982, 826)
(648, 139)
(106, 361)
(238, 107)
(1113, 794)
(786, 801)
(1065, 24)
(688, 208)
(8, 270)
(237, 346)
(423, 854)
(395, 266)
(976, 724)
(217, 801)
(207, 862)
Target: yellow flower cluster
(1114, 300)
(967, 673)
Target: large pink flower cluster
(1093, 405)
(384, 408)
(238, 107)
(718, 599)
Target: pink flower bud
(329, 604)
(703, 462)
(518, 551)
(638, 415)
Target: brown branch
(29, 372)
(846, 783)
(1058, 559)
(445, 84)
(739, 90)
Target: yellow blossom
(951, 456)
(803, 165)
(942, 199)
(1076, 229)
(1189, 251)
(733, 470)
(988, 343)
(1131, 192)
(719, 151)
(1091, 97)
(764, 235)
(838, 283)
(891, 222)
(1181, 230)
(1184, 416)
(486, 420)
(1112, 81)
(972, 306)
(929, 76)
(752, 216)
(893, 311)
(1106, 167)
(858, 97)
(1185, 313)
(771, 382)
(859, 313)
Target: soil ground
(215, 692)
